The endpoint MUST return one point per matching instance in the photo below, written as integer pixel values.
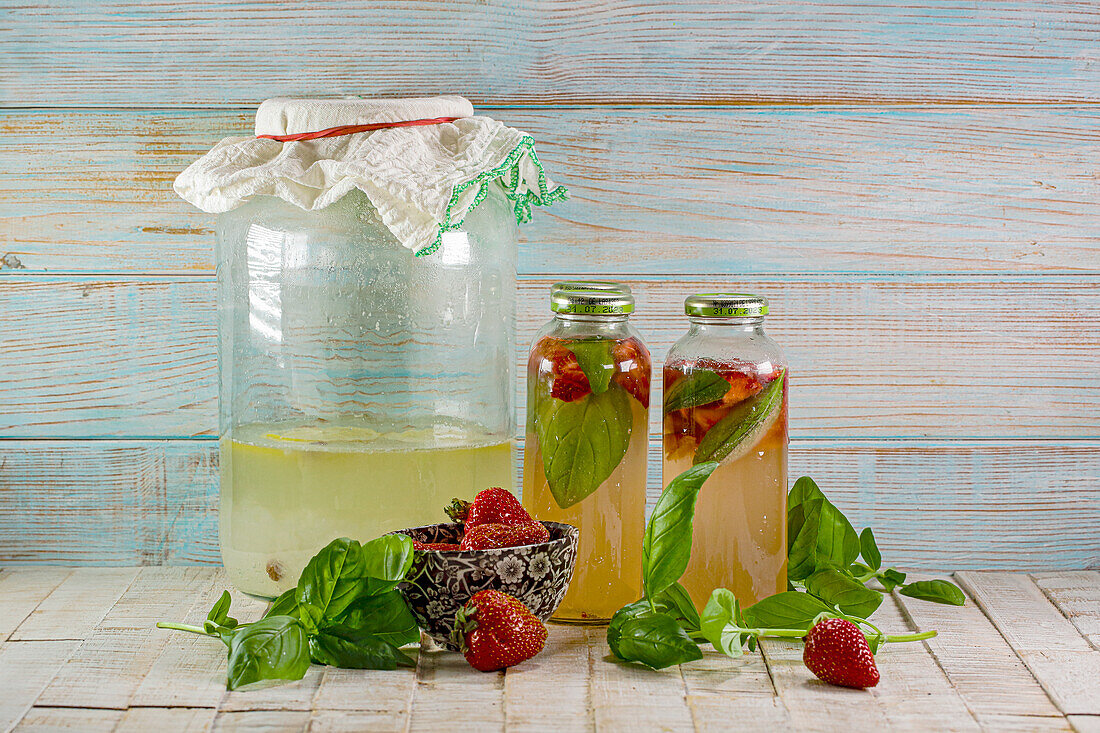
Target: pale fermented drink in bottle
(586, 440)
(725, 399)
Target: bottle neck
(569, 319)
(700, 325)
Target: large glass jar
(725, 399)
(362, 387)
(585, 451)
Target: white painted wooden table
(78, 651)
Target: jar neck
(571, 319)
(700, 325)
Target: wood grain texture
(108, 503)
(25, 669)
(1037, 498)
(720, 690)
(1063, 662)
(447, 696)
(996, 686)
(176, 720)
(61, 719)
(726, 191)
(870, 357)
(562, 52)
(75, 608)
(1077, 596)
(21, 590)
(566, 658)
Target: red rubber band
(352, 129)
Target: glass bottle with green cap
(584, 458)
(725, 400)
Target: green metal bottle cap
(605, 285)
(726, 305)
(592, 302)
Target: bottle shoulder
(754, 347)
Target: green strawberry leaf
(937, 591)
(582, 442)
(839, 589)
(743, 425)
(597, 362)
(700, 387)
(666, 545)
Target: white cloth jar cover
(423, 180)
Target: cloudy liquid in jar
(288, 489)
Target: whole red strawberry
(491, 506)
(494, 536)
(494, 631)
(441, 546)
(837, 652)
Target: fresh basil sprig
(345, 611)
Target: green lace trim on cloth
(521, 202)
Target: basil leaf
(337, 647)
(839, 589)
(220, 612)
(675, 601)
(937, 591)
(385, 616)
(700, 387)
(332, 579)
(597, 362)
(891, 579)
(582, 442)
(666, 546)
(386, 561)
(787, 610)
(657, 641)
(273, 648)
(285, 605)
(819, 536)
(868, 548)
(721, 622)
(624, 614)
(743, 424)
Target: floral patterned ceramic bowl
(442, 581)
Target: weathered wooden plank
(176, 720)
(22, 589)
(58, 719)
(1077, 595)
(291, 696)
(721, 690)
(354, 699)
(561, 52)
(1085, 723)
(928, 357)
(75, 608)
(1061, 659)
(912, 492)
(261, 721)
(25, 669)
(616, 689)
(913, 693)
(190, 670)
(996, 686)
(111, 663)
(724, 191)
(106, 503)
(450, 695)
(551, 691)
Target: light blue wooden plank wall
(914, 185)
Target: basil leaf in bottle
(273, 648)
(666, 545)
(596, 361)
(937, 591)
(700, 387)
(868, 548)
(839, 589)
(657, 641)
(331, 580)
(722, 622)
(787, 610)
(745, 423)
(582, 442)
